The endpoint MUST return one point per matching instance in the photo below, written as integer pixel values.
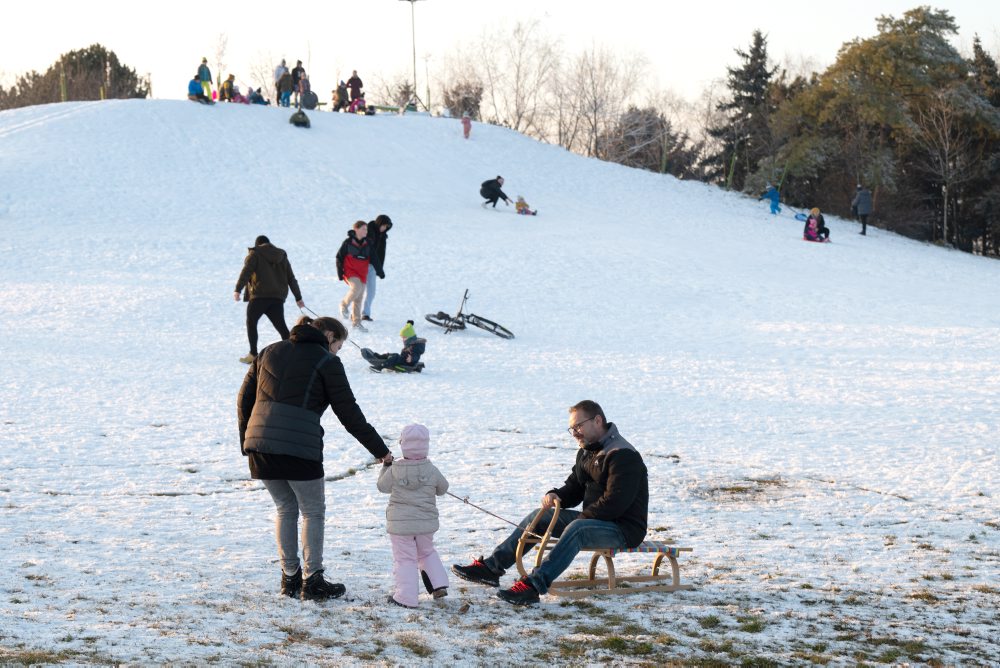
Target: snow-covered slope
(819, 421)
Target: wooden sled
(612, 583)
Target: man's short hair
(261, 240)
(358, 225)
(591, 408)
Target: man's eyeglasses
(576, 428)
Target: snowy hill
(819, 421)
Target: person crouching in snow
(491, 190)
(412, 483)
(522, 207)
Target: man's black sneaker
(315, 588)
(477, 571)
(367, 318)
(522, 593)
(291, 585)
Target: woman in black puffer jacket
(285, 392)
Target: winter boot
(291, 585)
(315, 588)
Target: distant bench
(611, 584)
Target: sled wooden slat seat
(611, 583)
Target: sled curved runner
(611, 583)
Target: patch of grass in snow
(751, 623)
(35, 657)
(709, 621)
(925, 595)
(412, 642)
(710, 646)
(571, 650)
(895, 648)
(986, 589)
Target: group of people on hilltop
(815, 228)
(200, 89)
(294, 83)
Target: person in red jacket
(353, 258)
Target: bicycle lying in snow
(460, 320)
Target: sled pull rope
(467, 502)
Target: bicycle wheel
(489, 326)
(442, 319)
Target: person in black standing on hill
(862, 206)
(355, 84)
(297, 73)
(267, 275)
(279, 406)
(378, 234)
(492, 192)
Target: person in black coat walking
(492, 192)
(378, 235)
(609, 478)
(287, 389)
(266, 278)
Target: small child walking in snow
(412, 517)
(522, 207)
(466, 124)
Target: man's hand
(387, 459)
(380, 274)
(549, 500)
(300, 303)
(236, 296)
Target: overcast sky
(686, 46)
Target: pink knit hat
(415, 441)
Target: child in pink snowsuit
(466, 124)
(412, 518)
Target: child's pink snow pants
(410, 555)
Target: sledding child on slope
(815, 228)
(412, 483)
(409, 356)
(522, 207)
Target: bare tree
(514, 68)
(559, 121)
(261, 73)
(605, 85)
(220, 57)
(941, 129)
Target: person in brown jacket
(266, 277)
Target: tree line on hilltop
(902, 112)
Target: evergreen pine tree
(985, 73)
(744, 136)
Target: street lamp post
(413, 31)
